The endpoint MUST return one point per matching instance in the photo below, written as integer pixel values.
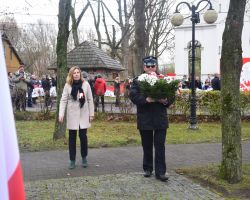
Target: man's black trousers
(156, 138)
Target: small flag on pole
(11, 178)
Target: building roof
(88, 56)
(5, 38)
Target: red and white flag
(11, 178)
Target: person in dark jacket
(46, 88)
(31, 84)
(117, 90)
(54, 81)
(152, 123)
(198, 83)
(216, 82)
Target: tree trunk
(61, 51)
(231, 64)
(140, 35)
(125, 36)
(125, 41)
(125, 54)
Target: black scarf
(77, 86)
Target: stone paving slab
(128, 186)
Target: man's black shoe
(162, 177)
(147, 174)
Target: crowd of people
(22, 85)
(99, 87)
(209, 84)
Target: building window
(197, 58)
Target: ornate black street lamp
(210, 16)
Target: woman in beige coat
(77, 97)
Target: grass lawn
(209, 177)
(37, 135)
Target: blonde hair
(69, 78)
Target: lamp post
(210, 16)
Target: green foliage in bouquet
(160, 90)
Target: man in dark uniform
(152, 123)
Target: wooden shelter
(12, 59)
(93, 60)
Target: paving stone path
(132, 186)
(115, 173)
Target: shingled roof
(88, 56)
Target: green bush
(29, 115)
(208, 103)
(24, 115)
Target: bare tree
(76, 22)
(61, 50)
(34, 44)
(231, 65)
(158, 31)
(158, 27)
(97, 21)
(124, 16)
(90, 35)
(37, 47)
(9, 26)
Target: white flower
(151, 79)
(143, 77)
(168, 79)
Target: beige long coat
(77, 116)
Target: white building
(209, 42)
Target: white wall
(210, 37)
(207, 36)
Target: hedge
(208, 103)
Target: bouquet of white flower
(157, 88)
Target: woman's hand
(91, 118)
(60, 119)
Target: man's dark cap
(149, 60)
